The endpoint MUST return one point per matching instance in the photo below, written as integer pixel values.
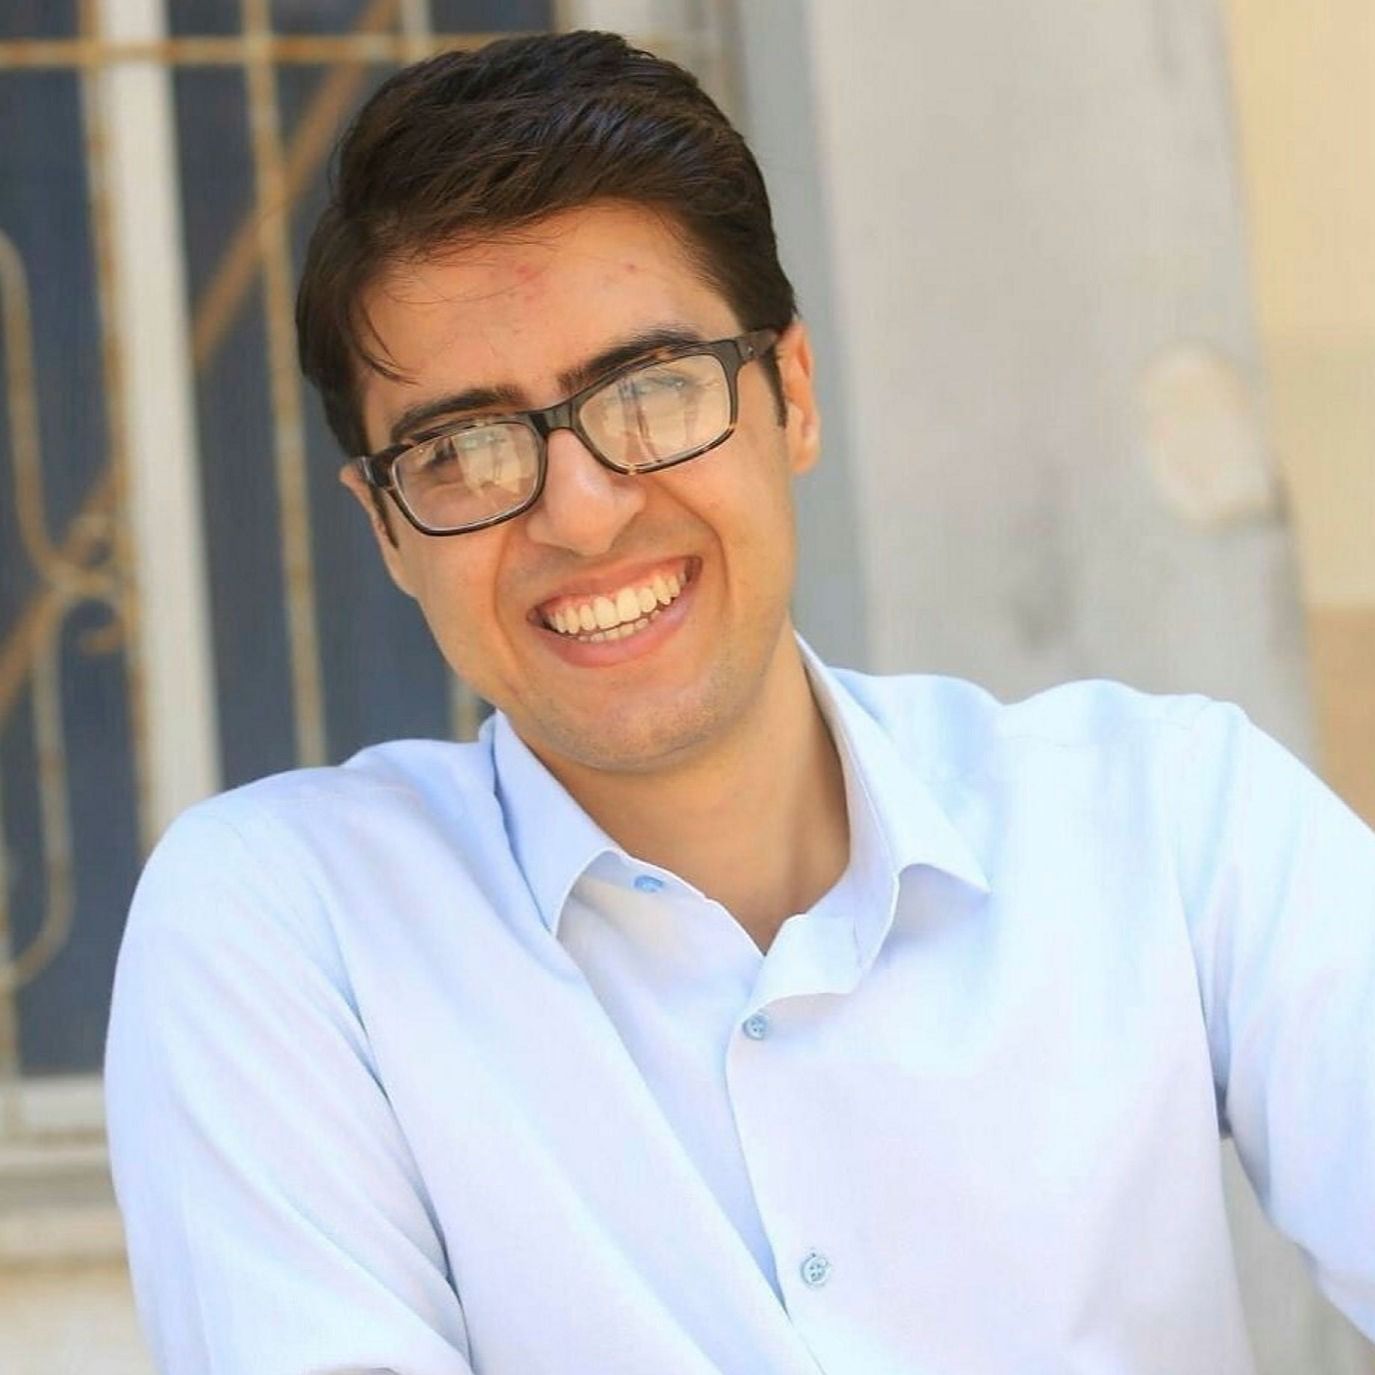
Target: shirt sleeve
(1278, 879)
(275, 1219)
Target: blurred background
(1093, 292)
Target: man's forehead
(468, 273)
(534, 307)
(603, 243)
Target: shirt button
(756, 1027)
(647, 883)
(816, 1269)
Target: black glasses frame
(378, 469)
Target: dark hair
(472, 143)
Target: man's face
(529, 314)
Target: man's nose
(585, 505)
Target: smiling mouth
(619, 612)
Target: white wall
(1029, 206)
(776, 106)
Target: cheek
(761, 498)
(457, 588)
(743, 484)
(746, 502)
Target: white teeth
(627, 605)
(613, 618)
(604, 609)
(620, 632)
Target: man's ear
(803, 418)
(370, 500)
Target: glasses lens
(468, 476)
(659, 412)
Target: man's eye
(428, 457)
(462, 447)
(659, 382)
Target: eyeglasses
(662, 409)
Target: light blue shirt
(412, 1069)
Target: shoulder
(400, 776)
(403, 783)
(1212, 782)
(955, 727)
(297, 849)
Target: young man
(716, 1011)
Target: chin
(633, 741)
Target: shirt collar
(910, 824)
(554, 840)
(895, 822)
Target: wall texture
(1035, 221)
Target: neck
(758, 823)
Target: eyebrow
(506, 396)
